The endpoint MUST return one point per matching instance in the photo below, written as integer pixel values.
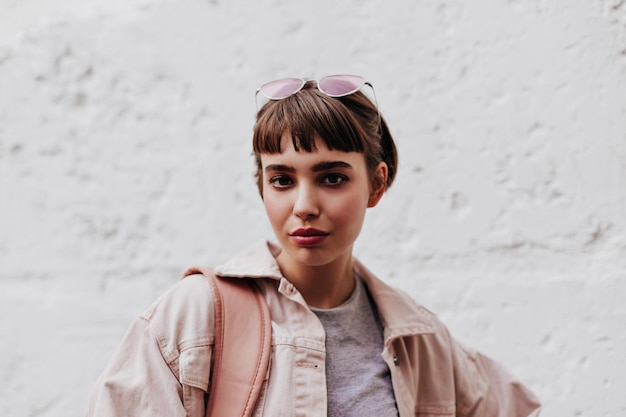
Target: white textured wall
(125, 157)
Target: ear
(379, 184)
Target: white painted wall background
(125, 157)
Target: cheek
(276, 208)
(349, 209)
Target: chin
(313, 256)
(309, 256)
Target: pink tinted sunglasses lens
(340, 85)
(280, 89)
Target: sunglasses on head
(331, 85)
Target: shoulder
(400, 313)
(184, 314)
(189, 294)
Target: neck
(324, 286)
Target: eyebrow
(320, 166)
(326, 165)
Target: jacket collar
(399, 314)
(257, 261)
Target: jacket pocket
(435, 411)
(195, 370)
(195, 367)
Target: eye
(334, 179)
(280, 181)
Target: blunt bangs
(304, 116)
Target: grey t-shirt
(358, 381)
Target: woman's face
(316, 201)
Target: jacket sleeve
(486, 389)
(138, 381)
(162, 366)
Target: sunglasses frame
(317, 82)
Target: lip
(308, 236)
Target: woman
(343, 342)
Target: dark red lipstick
(308, 236)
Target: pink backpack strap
(241, 354)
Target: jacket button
(396, 360)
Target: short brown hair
(351, 124)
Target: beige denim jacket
(163, 364)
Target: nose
(306, 204)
